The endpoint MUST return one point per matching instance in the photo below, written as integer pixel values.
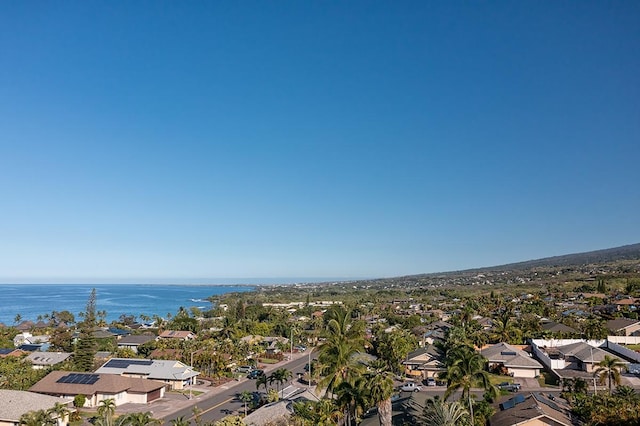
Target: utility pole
(191, 378)
(309, 382)
(595, 388)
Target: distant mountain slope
(629, 252)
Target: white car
(410, 387)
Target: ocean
(31, 300)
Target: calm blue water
(31, 300)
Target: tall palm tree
(465, 372)
(281, 375)
(380, 392)
(344, 338)
(609, 368)
(442, 413)
(352, 398)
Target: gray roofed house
(13, 404)
(582, 356)
(517, 362)
(555, 327)
(41, 360)
(423, 363)
(174, 373)
(133, 341)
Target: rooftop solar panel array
(125, 363)
(79, 379)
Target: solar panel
(507, 404)
(79, 379)
(519, 399)
(125, 363)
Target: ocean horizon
(31, 301)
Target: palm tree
(106, 410)
(351, 397)
(142, 419)
(344, 338)
(180, 421)
(627, 393)
(441, 413)
(37, 418)
(281, 375)
(245, 397)
(465, 372)
(505, 330)
(380, 392)
(262, 380)
(609, 368)
(59, 412)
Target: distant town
(553, 341)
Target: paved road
(216, 403)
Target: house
(173, 373)
(423, 363)
(623, 326)
(41, 360)
(5, 352)
(514, 360)
(535, 409)
(27, 338)
(177, 334)
(99, 387)
(133, 341)
(556, 327)
(274, 413)
(576, 355)
(14, 404)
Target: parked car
(511, 387)
(245, 369)
(410, 387)
(430, 381)
(254, 374)
(300, 348)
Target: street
(218, 402)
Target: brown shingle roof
(107, 383)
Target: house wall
(119, 398)
(625, 340)
(137, 398)
(633, 328)
(552, 364)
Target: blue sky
(144, 141)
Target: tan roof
(176, 334)
(107, 383)
(536, 406)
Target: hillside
(628, 252)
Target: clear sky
(158, 140)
